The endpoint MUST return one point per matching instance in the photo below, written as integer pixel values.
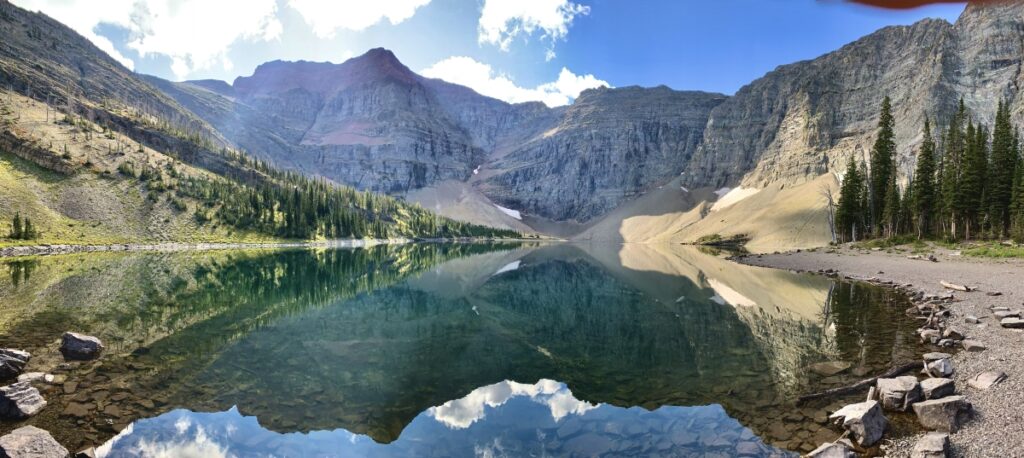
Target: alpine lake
(430, 349)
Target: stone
(12, 362)
(20, 400)
(1012, 322)
(931, 445)
(88, 452)
(945, 414)
(953, 333)
(986, 380)
(934, 388)
(832, 450)
(935, 356)
(971, 319)
(864, 421)
(898, 393)
(830, 368)
(973, 345)
(76, 346)
(31, 442)
(939, 368)
(931, 335)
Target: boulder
(935, 356)
(864, 421)
(12, 362)
(20, 400)
(945, 414)
(973, 345)
(939, 368)
(31, 442)
(971, 319)
(986, 380)
(934, 388)
(80, 346)
(898, 393)
(832, 450)
(1012, 322)
(931, 445)
(953, 333)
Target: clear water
(443, 350)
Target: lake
(444, 350)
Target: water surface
(445, 350)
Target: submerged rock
(864, 421)
(945, 414)
(899, 393)
(12, 362)
(934, 388)
(31, 442)
(830, 368)
(932, 445)
(20, 400)
(80, 346)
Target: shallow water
(444, 350)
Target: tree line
(968, 183)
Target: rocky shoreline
(968, 303)
(47, 250)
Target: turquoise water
(443, 350)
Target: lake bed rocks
(12, 362)
(944, 414)
(75, 346)
(31, 442)
(986, 380)
(898, 393)
(931, 445)
(19, 401)
(941, 368)
(864, 421)
(973, 345)
(832, 450)
(830, 368)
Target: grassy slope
(93, 204)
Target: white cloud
(501, 21)
(463, 412)
(194, 34)
(483, 79)
(327, 16)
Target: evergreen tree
(952, 158)
(972, 183)
(1001, 172)
(923, 189)
(883, 167)
(849, 210)
(891, 210)
(16, 229)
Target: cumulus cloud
(463, 412)
(194, 34)
(327, 16)
(483, 79)
(501, 21)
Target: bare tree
(826, 192)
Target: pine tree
(849, 210)
(952, 159)
(972, 184)
(891, 209)
(1001, 171)
(883, 155)
(16, 229)
(923, 201)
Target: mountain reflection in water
(503, 419)
(376, 344)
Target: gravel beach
(997, 429)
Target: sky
(515, 50)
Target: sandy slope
(460, 201)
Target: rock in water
(31, 442)
(899, 393)
(932, 445)
(20, 400)
(986, 380)
(832, 450)
(934, 388)
(12, 362)
(864, 420)
(830, 368)
(80, 346)
(946, 414)
(939, 368)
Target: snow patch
(726, 295)
(510, 212)
(476, 171)
(729, 197)
(508, 268)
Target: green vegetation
(22, 228)
(967, 186)
(995, 250)
(717, 240)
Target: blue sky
(516, 50)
